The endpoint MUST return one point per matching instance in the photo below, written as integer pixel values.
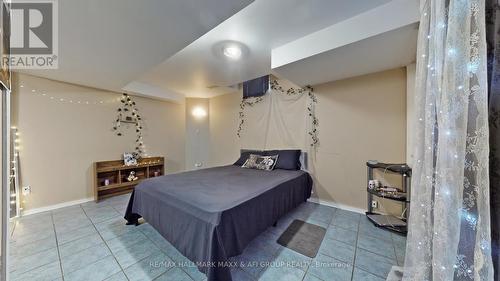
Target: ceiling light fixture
(232, 52)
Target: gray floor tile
(347, 214)
(76, 234)
(337, 233)
(115, 227)
(282, 274)
(120, 276)
(367, 227)
(29, 237)
(67, 210)
(400, 255)
(241, 275)
(314, 221)
(176, 274)
(102, 214)
(338, 250)
(25, 229)
(265, 244)
(310, 277)
(376, 245)
(361, 275)
(399, 240)
(71, 225)
(135, 252)
(34, 247)
(28, 263)
(48, 272)
(83, 258)
(292, 259)
(346, 222)
(81, 244)
(372, 263)
(149, 268)
(328, 268)
(125, 240)
(255, 260)
(99, 270)
(194, 273)
(80, 228)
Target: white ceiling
(366, 43)
(362, 57)
(167, 49)
(107, 44)
(262, 26)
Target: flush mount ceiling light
(232, 52)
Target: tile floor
(92, 242)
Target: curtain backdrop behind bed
(279, 121)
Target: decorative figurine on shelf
(132, 176)
(371, 184)
(106, 182)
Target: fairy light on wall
(64, 100)
(14, 173)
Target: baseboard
(337, 205)
(85, 200)
(56, 206)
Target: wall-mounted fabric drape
(279, 121)
(449, 224)
(493, 41)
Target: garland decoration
(244, 103)
(128, 113)
(311, 108)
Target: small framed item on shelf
(129, 159)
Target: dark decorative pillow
(244, 156)
(261, 162)
(287, 160)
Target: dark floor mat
(303, 237)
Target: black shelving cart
(389, 222)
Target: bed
(212, 214)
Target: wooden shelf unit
(116, 173)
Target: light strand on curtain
(449, 225)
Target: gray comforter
(210, 215)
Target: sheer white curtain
(449, 231)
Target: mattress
(212, 214)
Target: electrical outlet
(26, 190)
(374, 204)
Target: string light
(71, 101)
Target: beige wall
(224, 121)
(361, 118)
(197, 134)
(60, 140)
